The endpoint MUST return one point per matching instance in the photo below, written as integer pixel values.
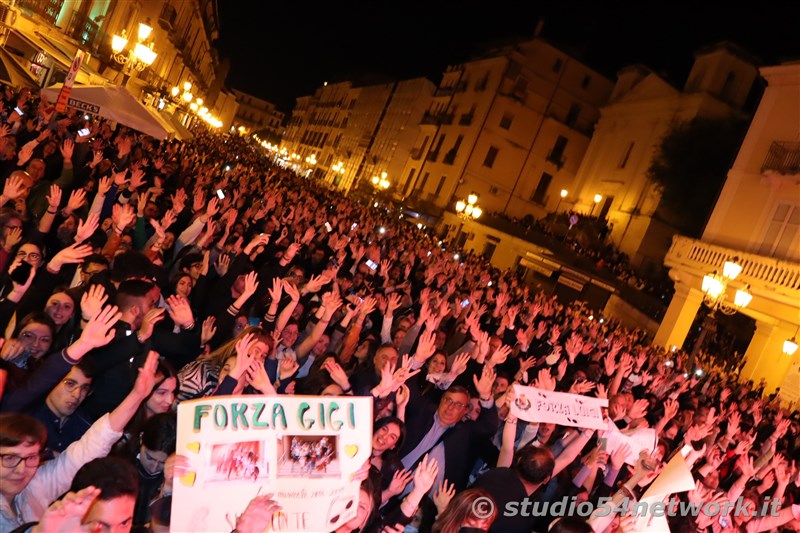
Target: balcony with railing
(783, 157)
(774, 275)
(47, 9)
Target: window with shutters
(781, 238)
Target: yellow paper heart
(189, 479)
(193, 447)
(351, 450)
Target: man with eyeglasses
(26, 488)
(442, 430)
(59, 413)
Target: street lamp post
(467, 210)
(716, 298)
(563, 195)
(338, 172)
(597, 198)
(139, 56)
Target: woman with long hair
(202, 376)
(460, 514)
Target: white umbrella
(114, 103)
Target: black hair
(385, 421)
(569, 524)
(131, 265)
(159, 433)
(114, 477)
(534, 465)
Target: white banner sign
(537, 405)
(303, 450)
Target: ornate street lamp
(715, 296)
(469, 210)
(139, 56)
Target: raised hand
(69, 255)
(444, 493)
(13, 238)
(66, 515)
(122, 216)
(180, 311)
(257, 377)
(66, 150)
(400, 480)
(213, 207)
(86, 228)
(425, 474)
(337, 373)
(149, 321)
(638, 409)
(581, 387)
(459, 364)
(250, 284)
(287, 368)
(54, 198)
(104, 185)
(545, 380)
(484, 384)
(13, 188)
(243, 357)
(208, 331)
(257, 517)
(425, 346)
(92, 301)
(500, 355)
(146, 379)
(222, 264)
(99, 330)
(76, 200)
(745, 466)
(573, 346)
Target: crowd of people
(605, 255)
(138, 273)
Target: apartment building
(42, 37)
(511, 126)
(755, 223)
(257, 115)
(356, 132)
(643, 108)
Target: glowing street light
(139, 56)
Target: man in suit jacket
(441, 430)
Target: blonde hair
(218, 357)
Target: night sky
(282, 50)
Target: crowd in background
(139, 273)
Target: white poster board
(303, 450)
(564, 409)
(637, 439)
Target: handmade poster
(303, 450)
(674, 478)
(637, 439)
(537, 405)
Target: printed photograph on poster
(237, 461)
(308, 456)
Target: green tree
(690, 168)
